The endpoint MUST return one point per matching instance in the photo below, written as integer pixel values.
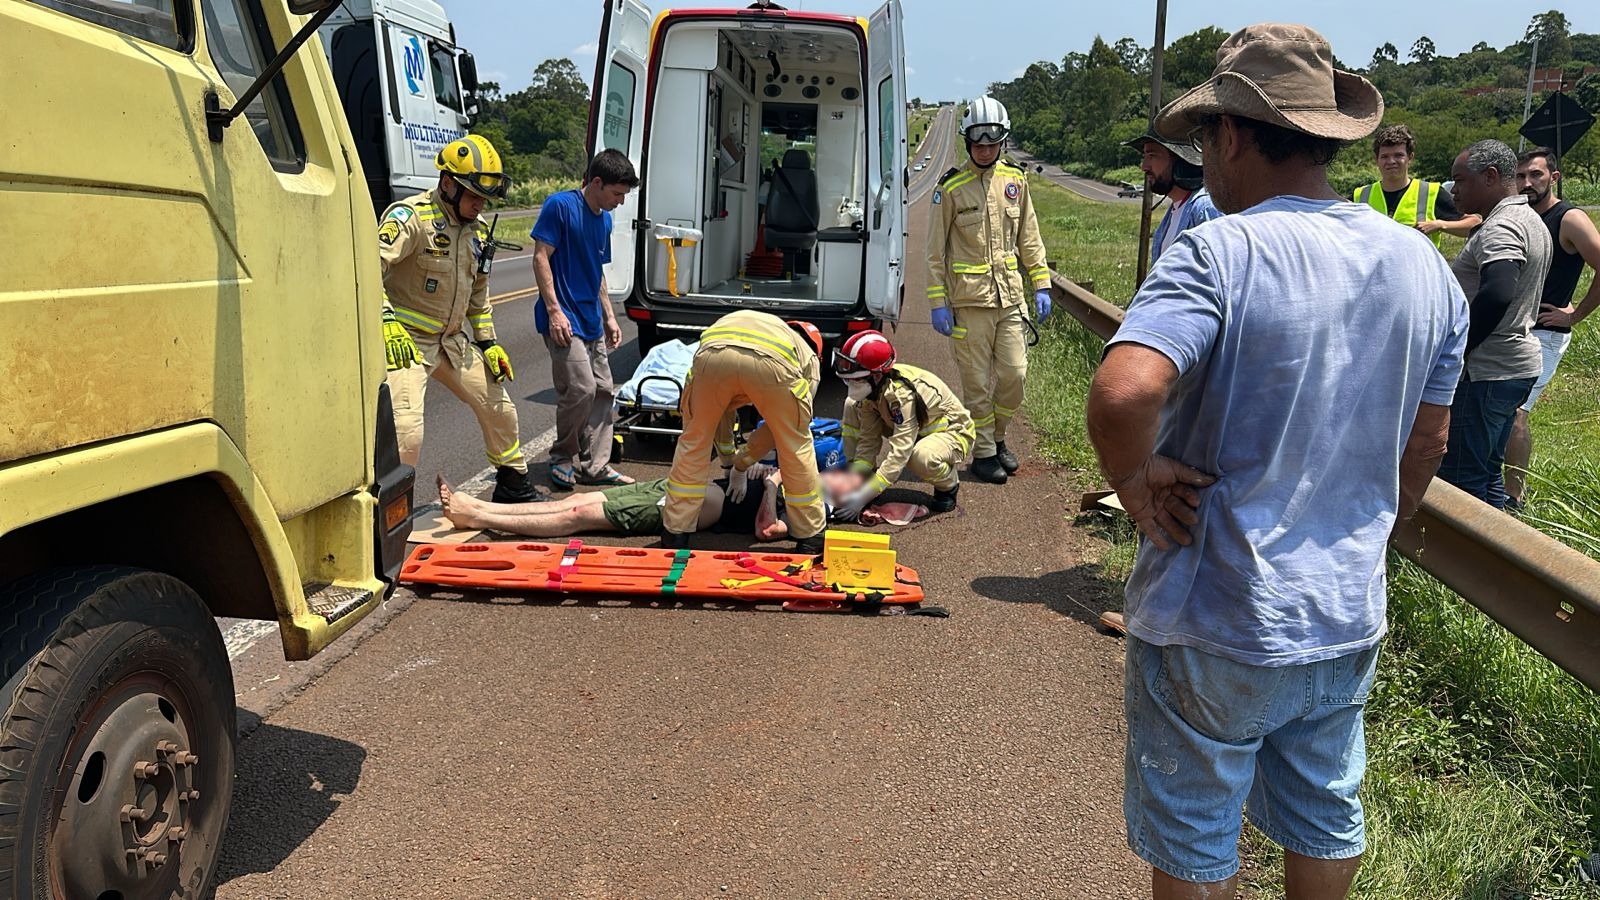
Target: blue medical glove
(1041, 303)
(943, 321)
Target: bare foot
(460, 509)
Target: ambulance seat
(792, 212)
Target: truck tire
(117, 741)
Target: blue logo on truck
(416, 73)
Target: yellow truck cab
(771, 144)
(193, 423)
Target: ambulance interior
(758, 134)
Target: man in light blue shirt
(1174, 170)
(1277, 396)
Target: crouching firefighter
(436, 310)
(984, 255)
(897, 417)
(749, 358)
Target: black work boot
(944, 501)
(988, 468)
(811, 546)
(511, 486)
(1008, 460)
(675, 540)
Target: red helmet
(864, 353)
(810, 331)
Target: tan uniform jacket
(912, 404)
(769, 336)
(983, 238)
(430, 277)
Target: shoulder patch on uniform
(1013, 190)
(896, 414)
(389, 232)
(399, 213)
(937, 196)
(946, 176)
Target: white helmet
(985, 121)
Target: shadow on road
(1081, 592)
(289, 783)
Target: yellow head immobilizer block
(858, 560)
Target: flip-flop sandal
(609, 477)
(562, 478)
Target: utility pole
(1527, 97)
(1156, 53)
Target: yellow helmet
(474, 163)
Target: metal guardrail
(1541, 590)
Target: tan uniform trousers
(992, 353)
(488, 400)
(935, 457)
(722, 380)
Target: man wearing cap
(1277, 397)
(1173, 170)
(1410, 201)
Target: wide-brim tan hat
(1283, 75)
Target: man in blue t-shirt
(572, 245)
(1277, 396)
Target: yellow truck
(193, 421)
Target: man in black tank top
(1575, 241)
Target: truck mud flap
(392, 524)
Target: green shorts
(635, 508)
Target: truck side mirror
(217, 118)
(469, 73)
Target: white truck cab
(771, 145)
(407, 89)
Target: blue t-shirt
(1305, 333)
(1198, 208)
(582, 241)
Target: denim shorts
(1208, 736)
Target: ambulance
(406, 87)
(771, 144)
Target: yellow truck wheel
(117, 741)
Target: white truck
(406, 87)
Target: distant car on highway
(1129, 189)
(917, 168)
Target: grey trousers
(581, 372)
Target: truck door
(616, 122)
(425, 122)
(886, 161)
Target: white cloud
(910, 71)
(586, 49)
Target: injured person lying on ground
(635, 509)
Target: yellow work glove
(494, 356)
(398, 347)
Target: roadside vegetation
(1484, 759)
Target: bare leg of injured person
(551, 518)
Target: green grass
(1483, 778)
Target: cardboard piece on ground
(429, 526)
(1097, 500)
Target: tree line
(1060, 111)
(539, 130)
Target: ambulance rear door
(886, 162)
(616, 122)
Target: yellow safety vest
(1419, 194)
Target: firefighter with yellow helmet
(749, 358)
(984, 255)
(436, 318)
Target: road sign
(1557, 124)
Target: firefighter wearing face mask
(898, 417)
(437, 323)
(985, 256)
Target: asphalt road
(1084, 187)
(493, 745)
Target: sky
(955, 48)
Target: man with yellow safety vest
(1423, 205)
(436, 292)
(749, 358)
(897, 416)
(984, 251)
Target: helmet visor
(845, 367)
(987, 134)
(485, 184)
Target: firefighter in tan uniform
(436, 293)
(898, 417)
(984, 250)
(756, 359)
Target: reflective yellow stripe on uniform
(727, 449)
(429, 213)
(1011, 264)
(862, 466)
(501, 459)
(937, 425)
(986, 420)
(849, 431)
(688, 491)
(810, 498)
(937, 292)
(961, 268)
(1003, 411)
(959, 180)
(481, 320)
(1039, 273)
(417, 320)
(959, 332)
(880, 482)
(800, 390)
(740, 336)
